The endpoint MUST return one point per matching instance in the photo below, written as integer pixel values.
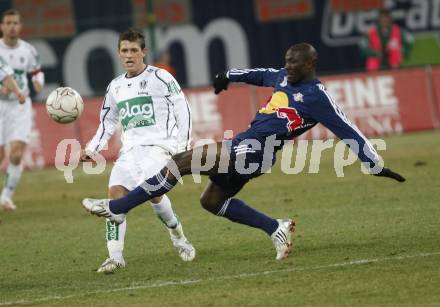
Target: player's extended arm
(34, 68)
(9, 83)
(327, 112)
(183, 120)
(257, 76)
(109, 118)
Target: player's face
(11, 26)
(297, 66)
(132, 56)
(385, 21)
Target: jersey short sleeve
(34, 61)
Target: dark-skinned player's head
(301, 60)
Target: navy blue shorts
(250, 156)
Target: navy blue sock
(237, 211)
(150, 188)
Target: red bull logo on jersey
(278, 100)
(294, 121)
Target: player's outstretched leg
(158, 185)
(164, 211)
(217, 200)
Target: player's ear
(145, 51)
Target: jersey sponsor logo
(278, 99)
(19, 76)
(136, 112)
(294, 121)
(112, 231)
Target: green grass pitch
(360, 241)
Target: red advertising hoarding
(436, 91)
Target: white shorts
(138, 164)
(15, 121)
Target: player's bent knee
(16, 157)
(210, 204)
(182, 159)
(156, 200)
(117, 191)
(17, 152)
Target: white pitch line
(226, 277)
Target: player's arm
(327, 112)
(183, 119)
(256, 76)
(37, 80)
(109, 119)
(9, 84)
(37, 75)
(182, 113)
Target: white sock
(165, 213)
(13, 175)
(115, 235)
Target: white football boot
(7, 205)
(282, 237)
(185, 249)
(100, 207)
(110, 265)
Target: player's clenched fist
(221, 82)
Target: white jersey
(23, 59)
(152, 110)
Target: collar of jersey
(125, 75)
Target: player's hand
(21, 98)
(386, 172)
(85, 157)
(220, 83)
(4, 91)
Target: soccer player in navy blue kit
(299, 102)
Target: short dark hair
(385, 12)
(10, 12)
(132, 35)
(306, 50)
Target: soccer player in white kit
(16, 116)
(156, 123)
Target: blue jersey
(295, 108)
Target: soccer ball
(64, 105)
